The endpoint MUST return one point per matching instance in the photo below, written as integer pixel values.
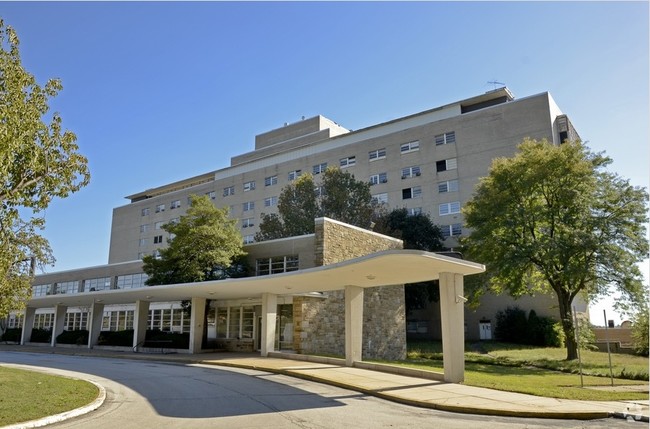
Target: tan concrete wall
(319, 326)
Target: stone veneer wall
(319, 323)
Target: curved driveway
(148, 394)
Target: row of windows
(276, 264)
(127, 281)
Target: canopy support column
(353, 324)
(140, 323)
(28, 325)
(59, 322)
(453, 326)
(96, 316)
(197, 318)
(269, 314)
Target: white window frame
(445, 138)
(415, 191)
(160, 208)
(377, 154)
(271, 201)
(249, 186)
(293, 175)
(248, 205)
(376, 179)
(448, 186)
(175, 204)
(271, 180)
(450, 164)
(248, 222)
(381, 198)
(319, 168)
(409, 147)
(445, 209)
(410, 172)
(145, 211)
(349, 161)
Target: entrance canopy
(390, 267)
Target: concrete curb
(98, 402)
(575, 415)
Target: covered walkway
(390, 267)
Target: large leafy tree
(205, 244)
(342, 197)
(553, 219)
(39, 161)
(417, 231)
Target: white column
(59, 320)
(269, 314)
(197, 319)
(95, 323)
(140, 323)
(452, 322)
(353, 324)
(28, 325)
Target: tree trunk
(566, 318)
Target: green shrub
(78, 337)
(40, 335)
(116, 338)
(12, 334)
(178, 341)
(513, 326)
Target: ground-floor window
(15, 321)
(43, 320)
(169, 320)
(284, 327)
(235, 322)
(76, 321)
(117, 320)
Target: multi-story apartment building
(427, 162)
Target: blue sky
(160, 91)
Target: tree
(551, 219)
(417, 231)
(38, 162)
(342, 197)
(204, 245)
(640, 328)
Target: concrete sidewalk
(407, 389)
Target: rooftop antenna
(495, 83)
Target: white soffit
(391, 267)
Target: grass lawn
(538, 371)
(29, 395)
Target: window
(414, 192)
(446, 164)
(143, 242)
(446, 138)
(374, 155)
(175, 204)
(347, 162)
(131, 281)
(449, 208)
(247, 222)
(414, 211)
(250, 205)
(448, 186)
(248, 239)
(211, 194)
(75, 320)
(381, 198)
(93, 285)
(160, 208)
(158, 225)
(230, 190)
(277, 264)
(271, 180)
(376, 179)
(410, 147)
(175, 220)
(319, 168)
(42, 290)
(293, 175)
(145, 212)
(249, 186)
(67, 287)
(411, 172)
(44, 320)
(144, 228)
(157, 239)
(270, 201)
(451, 230)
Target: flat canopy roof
(390, 267)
